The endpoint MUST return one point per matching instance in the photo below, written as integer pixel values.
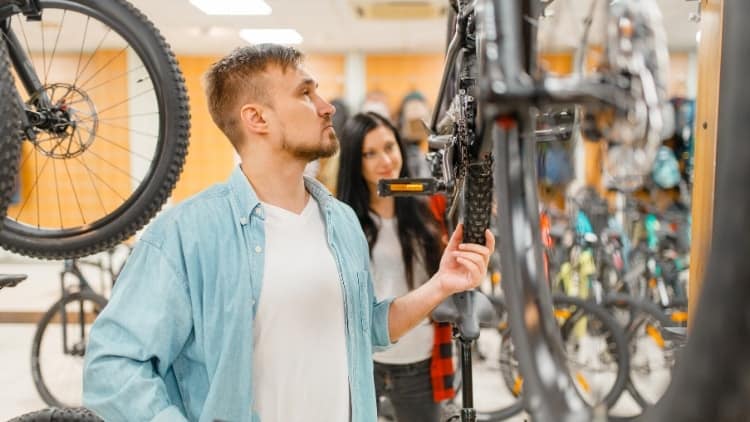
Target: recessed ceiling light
(232, 7)
(277, 36)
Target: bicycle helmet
(666, 171)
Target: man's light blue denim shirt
(176, 341)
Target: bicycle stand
(466, 311)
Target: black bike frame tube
(63, 317)
(24, 67)
(450, 58)
(549, 391)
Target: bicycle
(596, 349)
(101, 112)
(67, 323)
(484, 115)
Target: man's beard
(326, 148)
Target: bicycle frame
(71, 267)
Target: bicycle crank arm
(410, 187)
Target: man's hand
(464, 265)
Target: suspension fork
(25, 69)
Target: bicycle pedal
(409, 187)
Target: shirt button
(259, 212)
(258, 249)
(243, 220)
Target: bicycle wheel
(58, 348)
(59, 415)
(10, 119)
(654, 342)
(108, 126)
(595, 346)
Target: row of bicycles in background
(619, 290)
(613, 325)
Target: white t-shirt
(300, 362)
(389, 278)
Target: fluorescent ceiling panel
(232, 7)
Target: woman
(405, 247)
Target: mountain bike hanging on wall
(10, 121)
(103, 126)
(483, 145)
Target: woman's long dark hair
(416, 225)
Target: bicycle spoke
(101, 201)
(104, 66)
(83, 41)
(75, 193)
(115, 143)
(100, 179)
(91, 117)
(125, 172)
(54, 49)
(137, 132)
(25, 39)
(113, 79)
(133, 153)
(102, 111)
(91, 57)
(57, 191)
(23, 161)
(33, 187)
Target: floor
(18, 395)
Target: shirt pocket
(365, 302)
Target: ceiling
(333, 26)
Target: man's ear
(252, 118)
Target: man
(253, 300)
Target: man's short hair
(237, 79)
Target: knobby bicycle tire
(151, 193)
(10, 145)
(59, 415)
(45, 390)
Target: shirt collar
(248, 200)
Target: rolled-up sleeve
(381, 338)
(135, 340)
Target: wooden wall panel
(328, 69)
(709, 65)
(398, 74)
(679, 72)
(210, 156)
